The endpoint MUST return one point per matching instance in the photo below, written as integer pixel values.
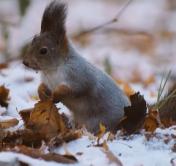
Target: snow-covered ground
(133, 151)
(140, 46)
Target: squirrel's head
(50, 47)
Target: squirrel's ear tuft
(54, 18)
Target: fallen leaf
(37, 154)
(25, 115)
(64, 137)
(110, 156)
(22, 137)
(8, 123)
(4, 94)
(126, 87)
(101, 132)
(150, 124)
(45, 119)
(152, 121)
(3, 66)
(128, 90)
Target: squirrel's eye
(43, 50)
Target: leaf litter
(44, 123)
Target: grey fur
(95, 97)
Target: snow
(125, 58)
(136, 150)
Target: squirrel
(89, 93)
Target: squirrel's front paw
(44, 92)
(55, 98)
(60, 92)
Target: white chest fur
(53, 78)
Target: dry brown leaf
(45, 119)
(111, 157)
(25, 115)
(8, 123)
(151, 121)
(37, 154)
(30, 138)
(128, 90)
(4, 94)
(126, 87)
(105, 146)
(22, 137)
(3, 66)
(102, 130)
(64, 137)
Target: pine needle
(160, 103)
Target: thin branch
(113, 20)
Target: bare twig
(113, 20)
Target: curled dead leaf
(22, 137)
(110, 156)
(128, 90)
(8, 123)
(37, 154)
(25, 115)
(152, 121)
(3, 66)
(4, 94)
(102, 130)
(45, 119)
(64, 137)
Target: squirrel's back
(102, 100)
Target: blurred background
(138, 48)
